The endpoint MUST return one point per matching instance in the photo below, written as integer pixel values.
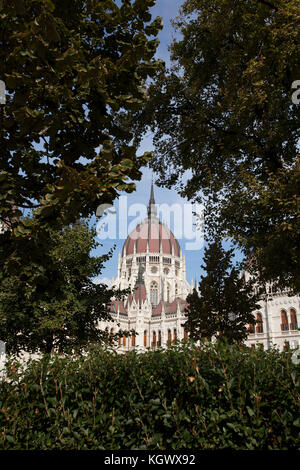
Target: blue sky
(167, 9)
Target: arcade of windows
(123, 340)
(259, 325)
(285, 325)
(153, 259)
(154, 293)
(156, 341)
(154, 270)
(155, 338)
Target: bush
(185, 397)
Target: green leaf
(250, 411)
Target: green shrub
(212, 397)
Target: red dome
(156, 235)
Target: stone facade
(279, 313)
(153, 265)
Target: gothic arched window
(259, 324)
(145, 338)
(284, 321)
(174, 336)
(154, 339)
(168, 293)
(159, 339)
(154, 294)
(293, 317)
(169, 337)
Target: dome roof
(151, 236)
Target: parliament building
(153, 265)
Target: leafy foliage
(271, 237)
(212, 397)
(224, 120)
(70, 68)
(225, 303)
(62, 315)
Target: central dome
(151, 236)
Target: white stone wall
(126, 278)
(272, 334)
(142, 319)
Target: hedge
(185, 397)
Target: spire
(152, 212)
(152, 200)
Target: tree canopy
(70, 68)
(64, 316)
(225, 122)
